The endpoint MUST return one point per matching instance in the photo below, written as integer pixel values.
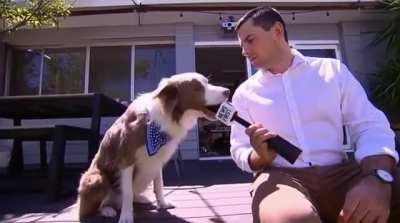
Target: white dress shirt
(308, 105)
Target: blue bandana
(155, 138)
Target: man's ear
(278, 30)
(169, 96)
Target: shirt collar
(298, 59)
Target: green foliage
(386, 83)
(386, 89)
(34, 13)
(391, 33)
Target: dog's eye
(198, 87)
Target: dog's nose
(227, 93)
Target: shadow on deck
(208, 191)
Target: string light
(222, 15)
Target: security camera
(228, 25)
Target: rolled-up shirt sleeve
(369, 128)
(240, 142)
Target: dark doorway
(224, 66)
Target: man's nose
(244, 52)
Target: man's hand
(261, 154)
(367, 202)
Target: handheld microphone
(226, 113)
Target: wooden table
(92, 106)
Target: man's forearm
(370, 163)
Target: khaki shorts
(318, 191)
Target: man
(307, 101)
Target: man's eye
(250, 40)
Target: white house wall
(185, 62)
(91, 36)
(114, 3)
(362, 58)
(295, 32)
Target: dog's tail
(93, 187)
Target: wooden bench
(59, 134)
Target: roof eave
(342, 5)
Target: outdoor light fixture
(229, 24)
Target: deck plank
(207, 204)
(208, 198)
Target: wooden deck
(218, 196)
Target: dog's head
(190, 93)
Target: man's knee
(285, 204)
(269, 213)
(279, 198)
(289, 218)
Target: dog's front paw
(165, 204)
(126, 218)
(141, 199)
(108, 212)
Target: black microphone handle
(241, 121)
(284, 148)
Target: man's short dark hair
(264, 17)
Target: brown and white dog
(122, 169)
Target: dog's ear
(169, 96)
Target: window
(25, 73)
(325, 53)
(226, 67)
(151, 64)
(63, 71)
(50, 71)
(309, 49)
(317, 48)
(110, 71)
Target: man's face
(257, 44)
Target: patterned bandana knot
(155, 138)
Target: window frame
(224, 43)
(309, 44)
(318, 44)
(87, 47)
(160, 43)
(40, 50)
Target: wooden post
(43, 154)
(95, 127)
(16, 164)
(56, 164)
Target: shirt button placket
(295, 117)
